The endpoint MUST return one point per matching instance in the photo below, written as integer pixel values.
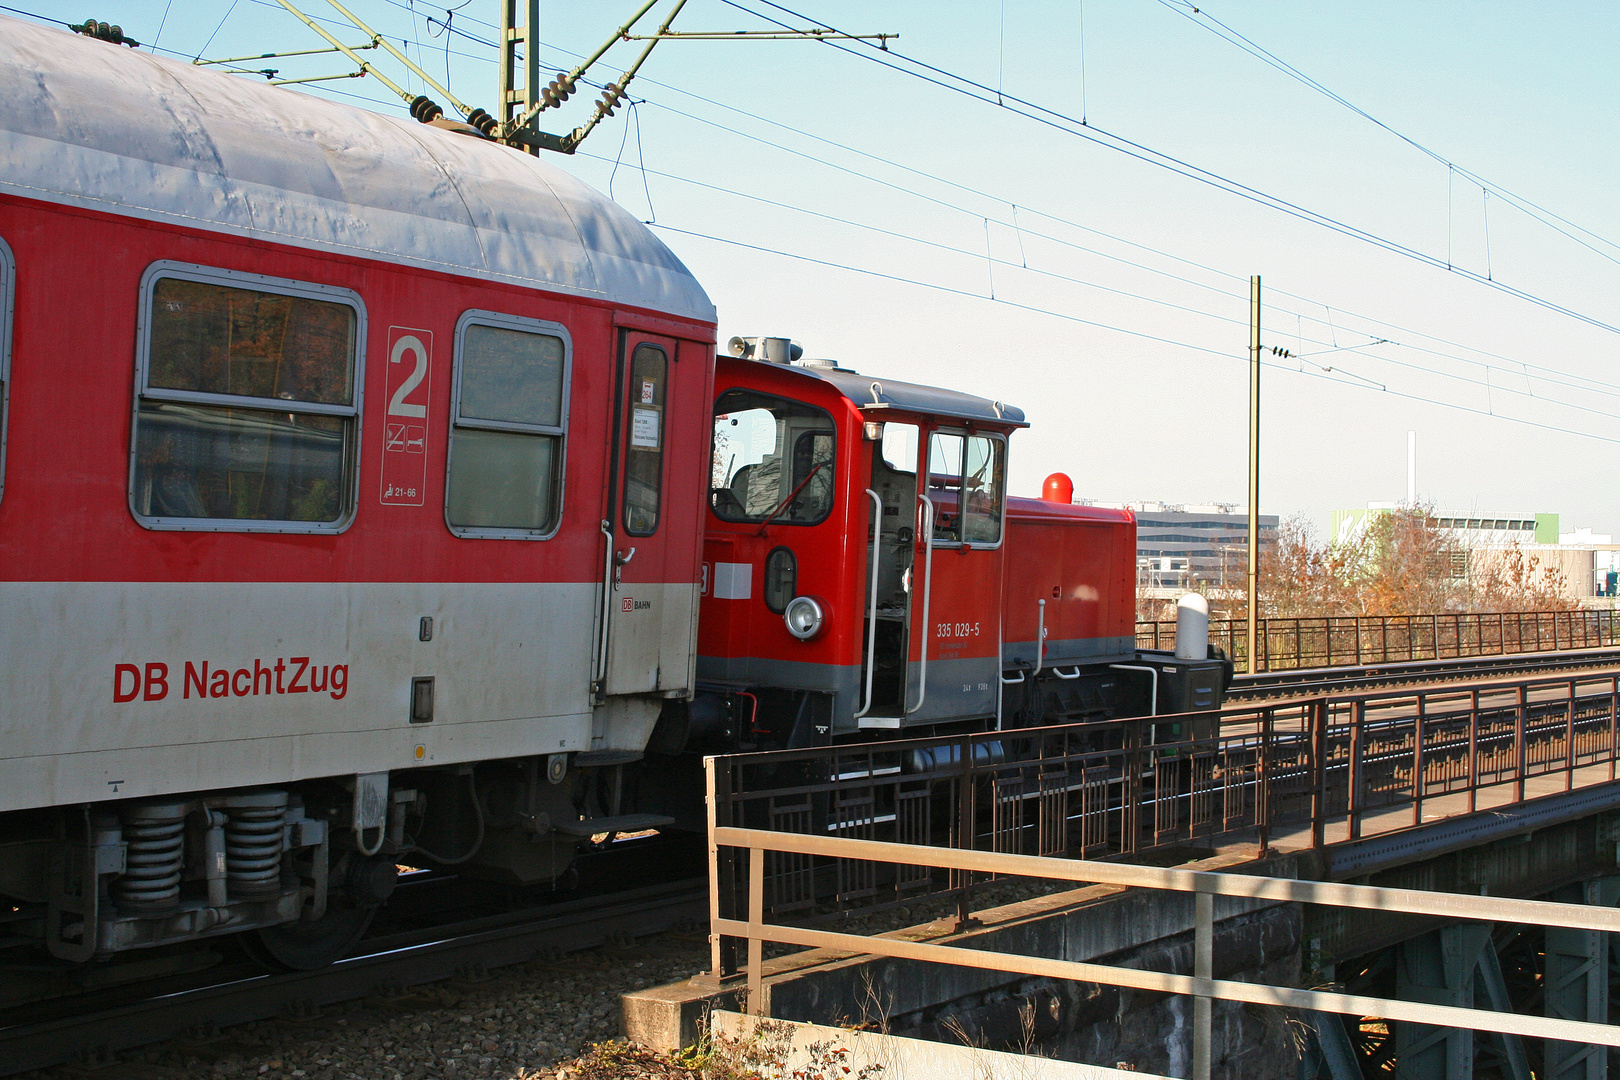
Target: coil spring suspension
(253, 841)
(155, 833)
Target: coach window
(966, 481)
(644, 448)
(7, 274)
(773, 460)
(247, 402)
(507, 427)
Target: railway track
(1274, 684)
(87, 1029)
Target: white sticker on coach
(733, 580)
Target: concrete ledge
(669, 1018)
(797, 1049)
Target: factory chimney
(1411, 468)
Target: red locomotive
(372, 492)
(962, 607)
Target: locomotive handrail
(871, 612)
(928, 592)
(1040, 637)
(1153, 676)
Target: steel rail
(581, 924)
(1333, 680)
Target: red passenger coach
(335, 447)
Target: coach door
(649, 538)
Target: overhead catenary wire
(1522, 367)
(1056, 218)
(1059, 219)
(1225, 355)
(1580, 380)
(1203, 18)
(992, 261)
(1574, 380)
(1041, 114)
(1561, 378)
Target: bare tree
(1516, 580)
(1401, 563)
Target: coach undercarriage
(305, 866)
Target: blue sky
(1119, 318)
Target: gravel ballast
(523, 1022)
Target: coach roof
(109, 128)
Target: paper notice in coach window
(644, 428)
(405, 423)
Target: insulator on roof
(425, 110)
(558, 90)
(103, 32)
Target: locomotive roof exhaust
(770, 350)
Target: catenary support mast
(1254, 468)
(520, 33)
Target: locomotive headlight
(805, 616)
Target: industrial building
(1486, 540)
(1183, 545)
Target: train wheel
(305, 946)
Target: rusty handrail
(754, 929)
(1304, 772)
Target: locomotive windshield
(773, 459)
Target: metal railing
(1303, 772)
(1335, 641)
(761, 845)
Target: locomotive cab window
(508, 427)
(966, 482)
(773, 460)
(247, 402)
(644, 444)
(7, 274)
